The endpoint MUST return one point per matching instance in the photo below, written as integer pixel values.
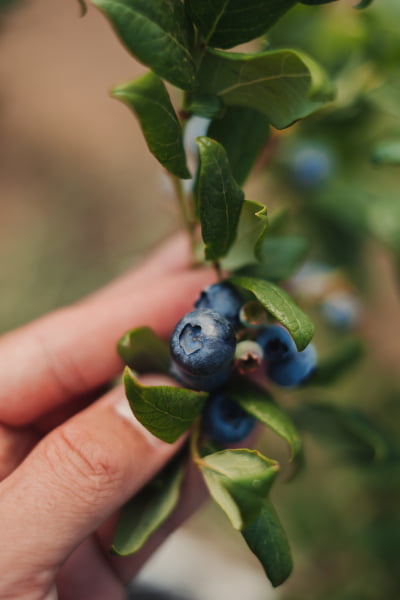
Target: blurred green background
(81, 199)
(77, 182)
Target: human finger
(172, 256)
(72, 351)
(192, 496)
(105, 575)
(87, 575)
(115, 569)
(70, 483)
(15, 444)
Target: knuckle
(85, 465)
(63, 370)
(27, 582)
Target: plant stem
(188, 222)
(217, 267)
(194, 441)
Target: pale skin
(70, 455)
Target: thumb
(72, 481)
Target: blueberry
(205, 383)
(341, 309)
(225, 421)
(276, 342)
(294, 370)
(223, 298)
(202, 349)
(311, 165)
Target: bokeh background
(77, 182)
(81, 199)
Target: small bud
(248, 356)
(252, 314)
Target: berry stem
(194, 442)
(218, 270)
(187, 219)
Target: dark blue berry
(205, 383)
(311, 165)
(276, 342)
(341, 309)
(223, 298)
(295, 370)
(202, 349)
(225, 421)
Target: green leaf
(280, 256)
(259, 403)
(7, 4)
(383, 219)
(148, 509)
(157, 33)
(284, 85)
(252, 228)
(83, 7)
(227, 23)
(337, 364)
(316, 2)
(266, 538)
(345, 203)
(167, 412)
(281, 306)
(363, 4)
(356, 436)
(278, 221)
(243, 133)
(387, 96)
(349, 209)
(239, 481)
(387, 153)
(142, 350)
(149, 100)
(207, 106)
(219, 199)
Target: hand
(70, 457)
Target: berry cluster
(215, 339)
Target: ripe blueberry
(276, 342)
(294, 370)
(223, 298)
(311, 165)
(341, 309)
(225, 421)
(202, 349)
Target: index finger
(72, 351)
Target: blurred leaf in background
(337, 175)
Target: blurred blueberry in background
(311, 164)
(225, 421)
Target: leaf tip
(123, 341)
(83, 7)
(118, 92)
(203, 141)
(113, 550)
(128, 374)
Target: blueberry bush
(246, 347)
